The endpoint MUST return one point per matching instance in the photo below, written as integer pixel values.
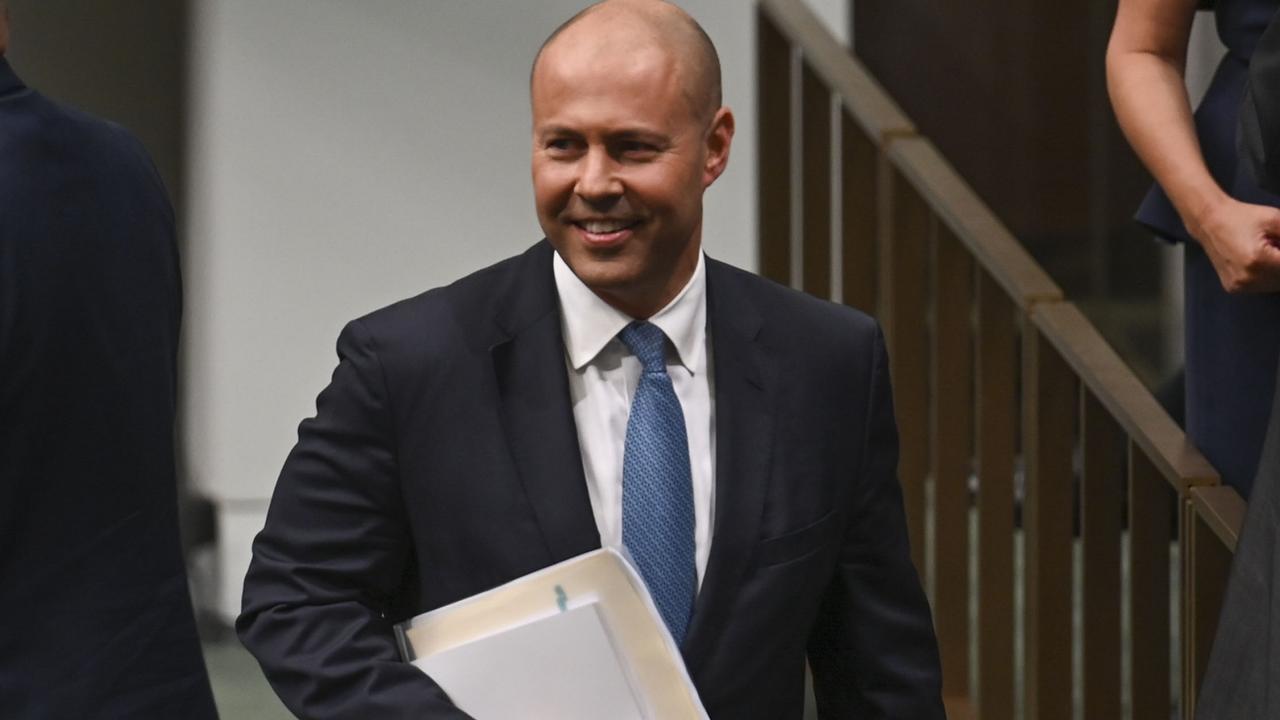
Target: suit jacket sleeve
(872, 651)
(1258, 124)
(334, 555)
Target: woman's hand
(1243, 243)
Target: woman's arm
(1146, 59)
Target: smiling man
(628, 132)
(610, 386)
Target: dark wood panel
(1150, 501)
(952, 452)
(903, 305)
(815, 157)
(1206, 562)
(1014, 95)
(1102, 483)
(773, 149)
(860, 162)
(996, 430)
(1049, 398)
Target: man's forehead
(654, 18)
(597, 58)
(609, 37)
(617, 27)
(623, 86)
(638, 39)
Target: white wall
(346, 155)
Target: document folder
(580, 639)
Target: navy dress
(1233, 341)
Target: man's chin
(602, 275)
(584, 258)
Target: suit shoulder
(42, 137)
(473, 296)
(824, 349)
(34, 116)
(454, 320)
(795, 316)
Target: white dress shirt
(603, 375)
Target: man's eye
(561, 145)
(638, 149)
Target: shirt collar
(589, 323)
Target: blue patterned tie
(657, 487)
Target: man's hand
(1243, 243)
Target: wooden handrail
(973, 223)
(955, 291)
(1124, 396)
(867, 102)
(1223, 511)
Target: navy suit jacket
(1242, 679)
(443, 460)
(95, 616)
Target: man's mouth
(607, 226)
(606, 231)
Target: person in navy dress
(1205, 200)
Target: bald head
(635, 26)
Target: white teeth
(602, 227)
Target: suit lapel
(533, 387)
(744, 435)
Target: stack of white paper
(581, 639)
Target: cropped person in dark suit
(96, 616)
(611, 385)
(1242, 679)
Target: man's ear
(719, 140)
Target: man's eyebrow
(627, 133)
(557, 131)
(639, 134)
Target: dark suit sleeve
(333, 555)
(1258, 126)
(872, 651)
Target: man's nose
(598, 179)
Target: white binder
(580, 639)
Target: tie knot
(647, 343)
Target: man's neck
(642, 305)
